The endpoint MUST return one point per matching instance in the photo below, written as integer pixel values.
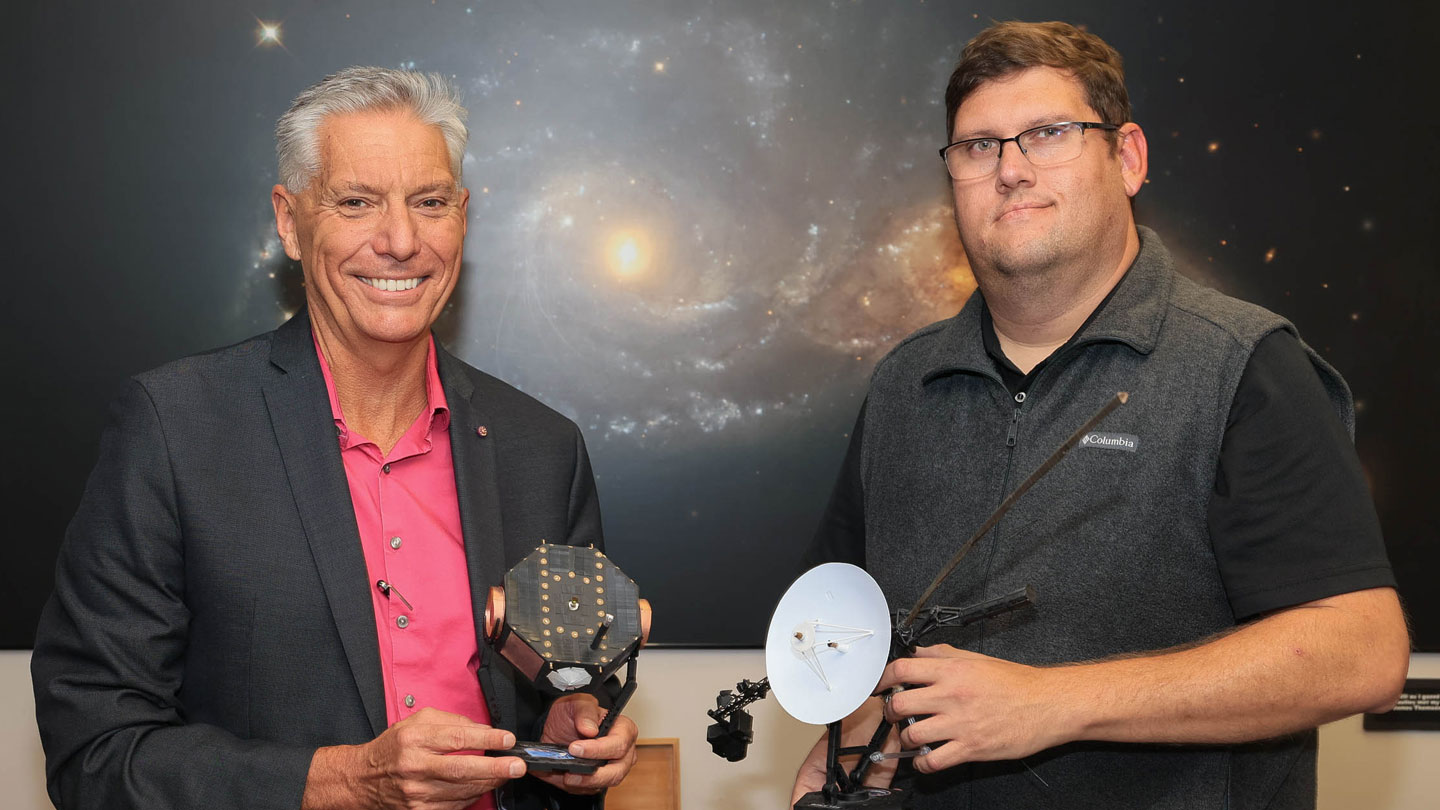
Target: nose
(1014, 169)
(397, 235)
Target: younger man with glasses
(1211, 582)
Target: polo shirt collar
(1133, 316)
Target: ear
(464, 211)
(1134, 154)
(284, 204)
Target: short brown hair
(1007, 47)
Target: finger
(903, 671)
(603, 777)
(578, 784)
(615, 745)
(445, 739)
(912, 702)
(890, 711)
(587, 715)
(928, 700)
(940, 651)
(477, 768)
(606, 777)
(571, 717)
(923, 732)
(945, 756)
(618, 770)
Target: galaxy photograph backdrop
(694, 228)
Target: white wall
(22, 766)
(1385, 770)
(1373, 771)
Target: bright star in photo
(268, 33)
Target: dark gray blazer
(211, 624)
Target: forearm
(1289, 671)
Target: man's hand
(416, 763)
(857, 729)
(979, 708)
(573, 721)
(1290, 670)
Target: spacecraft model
(830, 637)
(568, 618)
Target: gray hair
(431, 98)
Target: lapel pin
(483, 431)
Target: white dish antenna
(828, 643)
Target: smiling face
(1027, 220)
(378, 231)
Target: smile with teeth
(391, 284)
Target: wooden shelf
(654, 782)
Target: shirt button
(1020, 397)
(385, 469)
(395, 542)
(409, 701)
(402, 622)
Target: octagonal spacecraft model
(567, 617)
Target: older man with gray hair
(268, 596)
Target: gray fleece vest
(1114, 540)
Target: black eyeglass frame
(1000, 142)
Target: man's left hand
(574, 720)
(979, 708)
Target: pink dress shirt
(409, 518)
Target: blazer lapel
(305, 431)
(477, 485)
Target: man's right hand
(416, 763)
(855, 730)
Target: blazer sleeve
(108, 666)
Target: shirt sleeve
(1291, 519)
(841, 535)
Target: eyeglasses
(1046, 145)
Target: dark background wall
(695, 227)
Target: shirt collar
(436, 405)
(1012, 376)
(1132, 314)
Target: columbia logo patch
(1111, 441)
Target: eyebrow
(362, 188)
(1038, 121)
(354, 188)
(431, 188)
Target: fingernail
(577, 750)
(516, 769)
(508, 741)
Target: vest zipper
(981, 641)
